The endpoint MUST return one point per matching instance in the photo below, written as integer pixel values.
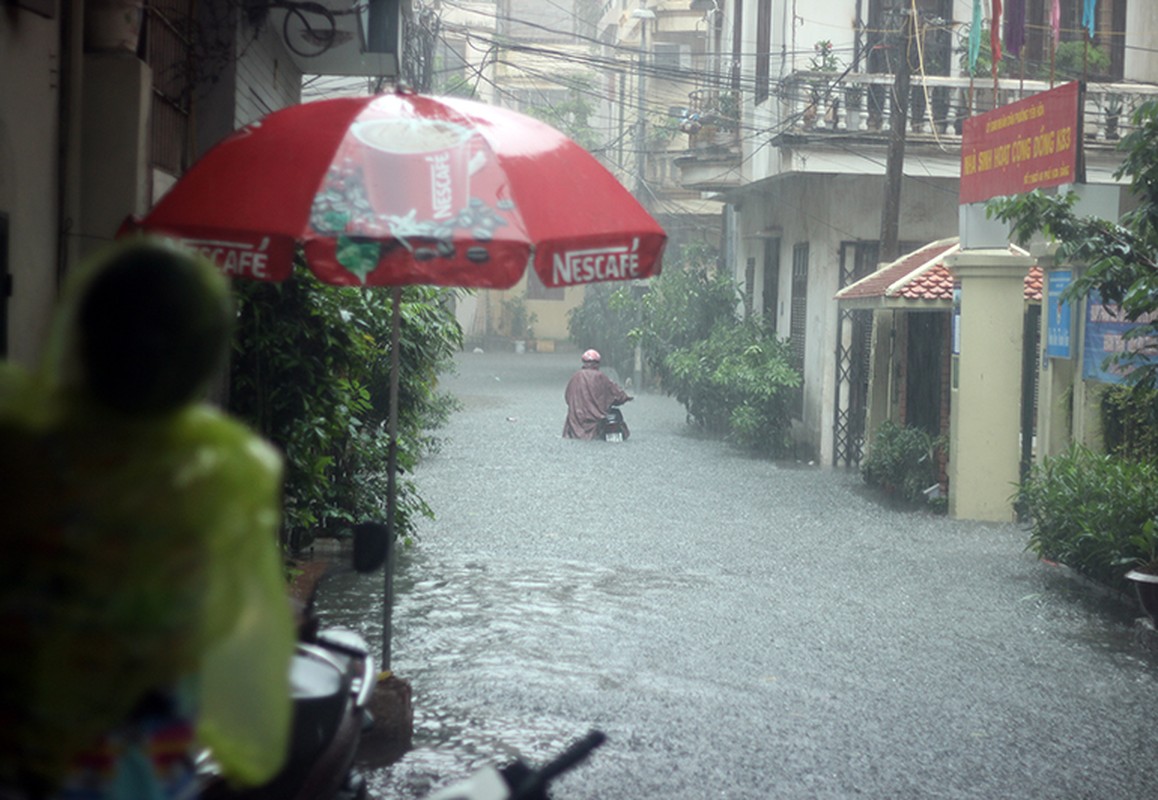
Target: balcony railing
(712, 121)
(860, 103)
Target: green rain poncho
(139, 529)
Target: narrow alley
(739, 628)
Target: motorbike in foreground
(332, 676)
(518, 781)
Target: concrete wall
(71, 171)
(1141, 58)
(266, 77)
(797, 25)
(114, 177)
(487, 316)
(824, 211)
(30, 91)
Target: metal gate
(1031, 343)
(853, 346)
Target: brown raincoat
(589, 395)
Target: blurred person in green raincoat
(143, 607)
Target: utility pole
(645, 16)
(894, 168)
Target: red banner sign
(1030, 144)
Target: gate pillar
(985, 411)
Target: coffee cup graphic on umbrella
(424, 165)
(411, 178)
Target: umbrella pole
(391, 476)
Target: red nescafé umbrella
(408, 189)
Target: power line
(617, 60)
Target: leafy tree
(604, 321)
(1093, 512)
(902, 461)
(734, 384)
(1121, 256)
(1130, 422)
(311, 372)
(683, 305)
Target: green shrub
(732, 376)
(604, 321)
(1130, 422)
(736, 384)
(311, 372)
(683, 306)
(1092, 512)
(902, 461)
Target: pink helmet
(592, 355)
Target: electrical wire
(618, 60)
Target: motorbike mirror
(371, 545)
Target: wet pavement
(738, 628)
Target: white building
(104, 103)
(806, 186)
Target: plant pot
(1146, 585)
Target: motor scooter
(332, 676)
(612, 427)
(518, 781)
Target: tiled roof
(1033, 284)
(883, 282)
(921, 276)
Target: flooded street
(738, 628)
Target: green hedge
(737, 384)
(1093, 512)
(311, 373)
(903, 462)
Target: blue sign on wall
(1105, 329)
(1059, 322)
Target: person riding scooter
(590, 395)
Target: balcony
(713, 158)
(812, 105)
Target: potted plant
(1113, 115)
(903, 462)
(1144, 575)
(728, 109)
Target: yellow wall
(551, 315)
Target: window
(885, 26)
(669, 57)
(737, 42)
(771, 298)
(1109, 38)
(169, 51)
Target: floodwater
(738, 628)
